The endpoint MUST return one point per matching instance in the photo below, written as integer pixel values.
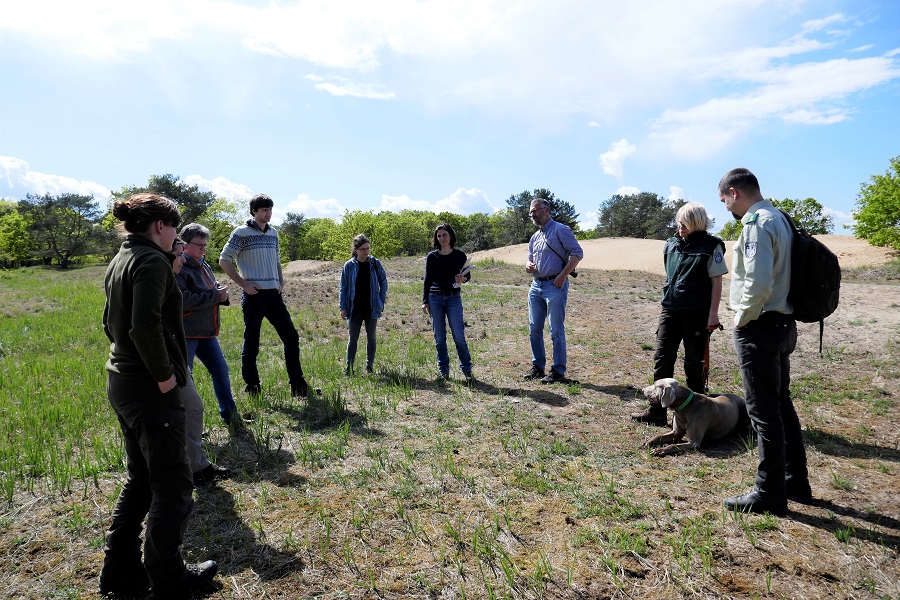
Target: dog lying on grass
(697, 418)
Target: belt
(547, 278)
(452, 292)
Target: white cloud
(341, 86)
(461, 202)
(842, 221)
(628, 190)
(590, 220)
(465, 202)
(221, 187)
(403, 202)
(326, 208)
(483, 54)
(18, 180)
(613, 160)
(676, 193)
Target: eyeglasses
(531, 212)
(201, 246)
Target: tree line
(67, 228)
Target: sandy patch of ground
(300, 266)
(632, 254)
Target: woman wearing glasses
(362, 296)
(202, 294)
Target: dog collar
(686, 402)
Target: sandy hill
(646, 255)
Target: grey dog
(696, 417)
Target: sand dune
(646, 255)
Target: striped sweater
(256, 254)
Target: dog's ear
(667, 394)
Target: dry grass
(508, 489)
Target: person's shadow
(542, 396)
(837, 445)
(842, 529)
(235, 544)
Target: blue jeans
(356, 323)
(763, 350)
(545, 299)
(446, 309)
(210, 354)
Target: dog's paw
(663, 451)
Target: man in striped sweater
(253, 248)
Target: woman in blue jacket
(363, 294)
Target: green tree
(191, 201)
(290, 235)
(808, 214)
(878, 208)
(15, 241)
(318, 230)
(644, 215)
(519, 226)
(63, 226)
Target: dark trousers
(675, 327)
(268, 304)
(763, 350)
(158, 484)
(355, 323)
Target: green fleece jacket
(142, 316)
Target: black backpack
(815, 279)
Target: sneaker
(369, 369)
(534, 373)
(655, 415)
(754, 501)
(253, 390)
(444, 377)
(470, 378)
(197, 579)
(553, 377)
(209, 474)
(348, 372)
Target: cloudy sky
(452, 105)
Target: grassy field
(397, 485)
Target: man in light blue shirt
(764, 337)
(553, 253)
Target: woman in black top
(441, 297)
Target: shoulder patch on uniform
(717, 256)
(750, 249)
(752, 218)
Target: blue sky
(449, 104)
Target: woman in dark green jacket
(146, 369)
(695, 262)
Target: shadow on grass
(542, 396)
(624, 392)
(217, 526)
(844, 530)
(836, 445)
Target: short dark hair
(194, 230)
(260, 201)
(739, 179)
(449, 229)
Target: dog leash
(709, 332)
